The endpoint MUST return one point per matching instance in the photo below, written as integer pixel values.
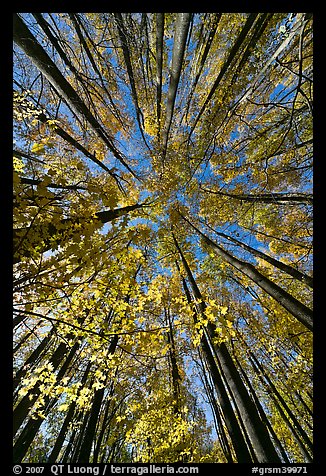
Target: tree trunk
(27, 435)
(262, 413)
(295, 307)
(68, 419)
(86, 446)
(238, 441)
(32, 359)
(180, 38)
(159, 65)
(263, 446)
(277, 394)
(302, 277)
(274, 198)
(176, 378)
(218, 418)
(235, 48)
(45, 232)
(28, 43)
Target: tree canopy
(162, 174)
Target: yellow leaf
(38, 149)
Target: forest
(163, 238)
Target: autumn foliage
(162, 174)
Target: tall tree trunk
(86, 446)
(42, 235)
(32, 359)
(302, 277)
(43, 116)
(27, 435)
(256, 429)
(25, 338)
(68, 419)
(180, 38)
(22, 409)
(176, 378)
(159, 65)
(238, 441)
(28, 43)
(234, 50)
(302, 313)
(262, 413)
(98, 445)
(285, 418)
(208, 43)
(128, 62)
(218, 418)
(277, 394)
(274, 198)
(88, 436)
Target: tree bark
(31, 428)
(32, 359)
(44, 233)
(86, 446)
(258, 434)
(234, 50)
(302, 313)
(218, 420)
(232, 424)
(274, 198)
(277, 394)
(296, 274)
(262, 413)
(69, 417)
(180, 38)
(159, 65)
(28, 43)
(176, 378)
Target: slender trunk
(302, 277)
(68, 449)
(295, 307)
(218, 420)
(255, 428)
(44, 117)
(284, 416)
(90, 430)
(104, 426)
(277, 394)
(274, 198)
(238, 441)
(180, 38)
(262, 413)
(74, 457)
(159, 65)
(18, 319)
(23, 407)
(27, 435)
(43, 235)
(208, 43)
(32, 359)
(22, 341)
(28, 43)
(259, 29)
(128, 62)
(78, 25)
(234, 50)
(307, 408)
(176, 378)
(68, 419)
